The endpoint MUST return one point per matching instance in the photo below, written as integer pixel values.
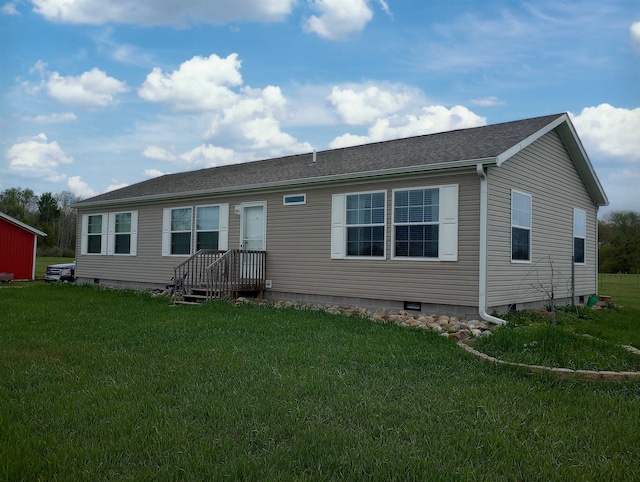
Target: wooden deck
(210, 274)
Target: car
(60, 272)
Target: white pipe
(482, 283)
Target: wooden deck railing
(217, 273)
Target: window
(94, 234)
(188, 229)
(365, 223)
(579, 235)
(425, 223)
(181, 231)
(207, 225)
(520, 226)
(293, 199)
(415, 218)
(110, 233)
(123, 233)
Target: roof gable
(21, 225)
(444, 150)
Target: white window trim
(339, 226)
(583, 236)
(111, 243)
(447, 223)
(529, 228)
(294, 203)
(84, 243)
(223, 228)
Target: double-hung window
(579, 235)
(365, 224)
(520, 226)
(416, 222)
(123, 233)
(190, 228)
(358, 225)
(94, 234)
(425, 223)
(207, 227)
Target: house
(18, 245)
(462, 222)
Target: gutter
(482, 283)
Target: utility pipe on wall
(482, 283)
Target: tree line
(619, 242)
(50, 213)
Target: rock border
(458, 330)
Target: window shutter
(103, 234)
(111, 239)
(337, 226)
(166, 232)
(134, 233)
(448, 242)
(223, 227)
(85, 234)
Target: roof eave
(336, 178)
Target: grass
(584, 339)
(98, 384)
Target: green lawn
(110, 385)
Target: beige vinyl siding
(545, 171)
(298, 244)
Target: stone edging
(560, 373)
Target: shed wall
(17, 251)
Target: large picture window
(579, 235)
(365, 222)
(520, 226)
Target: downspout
(482, 282)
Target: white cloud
(37, 158)
(153, 173)
(487, 101)
(91, 89)
(9, 8)
(364, 104)
(635, 36)
(252, 123)
(199, 84)
(158, 153)
(152, 12)
(610, 131)
(207, 155)
(55, 118)
(80, 188)
(430, 120)
(339, 18)
(113, 187)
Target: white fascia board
(509, 153)
(357, 176)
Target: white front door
(253, 226)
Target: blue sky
(96, 95)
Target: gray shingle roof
(427, 150)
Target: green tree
(20, 204)
(619, 235)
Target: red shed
(18, 243)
